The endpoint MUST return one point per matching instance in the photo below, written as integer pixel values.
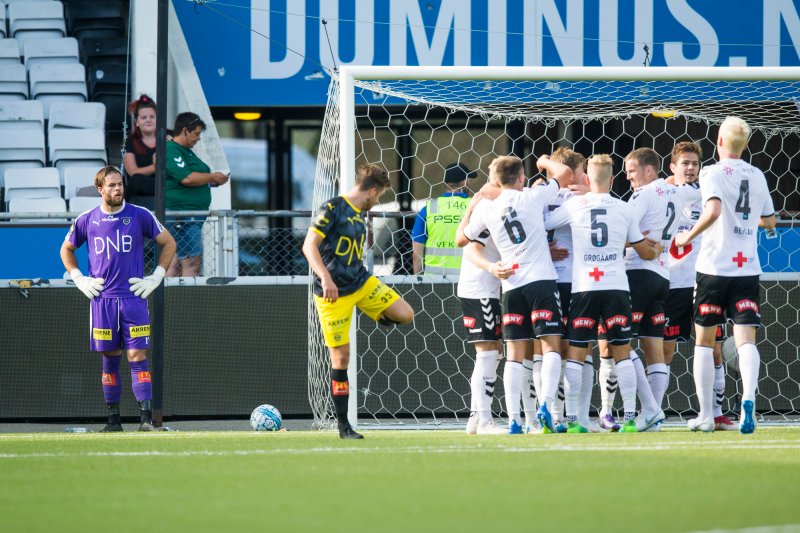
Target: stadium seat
(21, 114)
(36, 20)
(9, 51)
(31, 183)
(79, 204)
(90, 18)
(3, 32)
(21, 148)
(79, 181)
(76, 115)
(13, 82)
(108, 84)
(51, 83)
(77, 144)
(38, 205)
(96, 50)
(48, 51)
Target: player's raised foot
(747, 422)
(514, 428)
(645, 421)
(112, 427)
(347, 432)
(575, 427)
(628, 427)
(472, 424)
(722, 423)
(545, 419)
(147, 425)
(706, 425)
(591, 427)
(489, 427)
(607, 422)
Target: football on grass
(266, 418)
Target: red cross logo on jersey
(596, 274)
(739, 259)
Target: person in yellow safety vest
(434, 234)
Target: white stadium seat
(36, 20)
(21, 114)
(31, 183)
(79, 204)
(77, 115)
(79, 180)
(82, 144)
(52, 83)
(13, 82)
(38, 205)
(3, 32)
(21, 148)
(9, 52)
(50, 51)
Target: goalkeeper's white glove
(91, 287)
(144, 286)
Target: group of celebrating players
(613, 272)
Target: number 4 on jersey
(743, 203)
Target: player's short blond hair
(571, 158)
(736, 133)
(600, 168)
(507, 169)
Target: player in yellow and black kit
(334, 248)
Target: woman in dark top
(140, 153)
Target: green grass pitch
(410, 481)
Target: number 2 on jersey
(665, 235)
(743, 203)
(599, 229)
(513, 227)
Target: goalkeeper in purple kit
(115, 236)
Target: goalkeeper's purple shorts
(118, 323)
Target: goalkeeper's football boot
(112, 427)
(545, 419)
(574, 427)
(722, 423)
(628, 427)
(747, 424)
(114, 424)
(347, 432)
(146, 416)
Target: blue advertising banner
(272, 52)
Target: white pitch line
(407, 450)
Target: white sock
(558, 402)
(573, 375)
(551, 374)
(512, 383)
(475, 387)
(587, 383)
(749, 362)
(486, 362)
(703, 370)
(658, 377)
(537, 376)
(627, 387)
(719, 389)
(607, 379)
(643, 391)
(528, 393)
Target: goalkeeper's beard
(114, 201)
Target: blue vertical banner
(273, 52)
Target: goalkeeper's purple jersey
(116, 245)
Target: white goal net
(415, 121)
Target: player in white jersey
(600, 227)
(479, 292)
(679, 307)
(529, 301)
(736, 202)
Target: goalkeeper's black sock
(340, 391)
(145, 412)
(113, 413)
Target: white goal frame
(348, 75)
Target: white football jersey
(649, 205)
(563, 238)
(473, 281)
(678, 198)
(730, 244)
(682, 273)
(514, 220)
(600, 226)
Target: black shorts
(679, 311)
(718, 297)
(482, 319)
(609, 311)
(565, 294)
(531, 311)
(648, 293)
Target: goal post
(414, 121)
